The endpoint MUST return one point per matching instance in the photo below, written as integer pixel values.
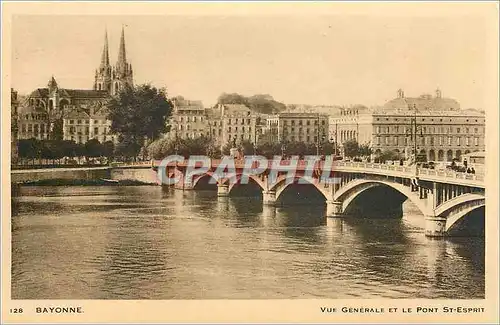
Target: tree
(127, 146)
(365, 150)
(247, 147)
(29, 148)
(137, 115)
(108, 148)
(226, 149)
(56, 133)
(93, 148)
(52, 149)
(233, 98)
(351, 148)
(388, 155)
(269, 149)
(260, 103)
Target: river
(145, 242)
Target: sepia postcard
(250, 162)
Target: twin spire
(122, 57)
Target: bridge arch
(281, 185)
(233, 181)
(350, 191)
(454, 218)
(456, 202)
(198, 178)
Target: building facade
(189, 119)
(444, 131)
(297, 127)
(76, 114)
(14, 106)
(352, 123)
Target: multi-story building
(14, 104)
(239, 123)
(76, 114)
(352, 123)
(444, 130)
(297, 127)
(189, 119)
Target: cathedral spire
(122, 58)
(105, 51)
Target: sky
(320, 60)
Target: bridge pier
(222, 190)
(269, 198)
(435, 226)
(334, 209)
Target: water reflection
(159, 243)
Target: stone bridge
(443, 197)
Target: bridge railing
(403, 171)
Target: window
(431, 141)
(466, 140)
(406, 141)
(395, 141)
(194, 118)
(458, 141)
(323, 122)
(293, 122)
(378, 140)
(476, 141)
(71, 121)
(449, 141)
(243, 129)
(79, 122)
(235, 129)
(458, 130)
(440, 141)
(248, 121)
(96, 130)
(315, 138)
(307, 130)
(30, 128)
(396, 129)
(308, 123)
(378, 129)
(467, 129)
(475, 130)
(87, 130)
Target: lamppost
(333, 142)
(413, 132)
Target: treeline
(264, 104)
(205, 146)
(55, 150)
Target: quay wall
(135, 174)
(34, 175)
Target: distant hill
(260, 103)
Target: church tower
(104, 72)
(122, 73)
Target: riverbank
(85, 182)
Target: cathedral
(76, 114)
